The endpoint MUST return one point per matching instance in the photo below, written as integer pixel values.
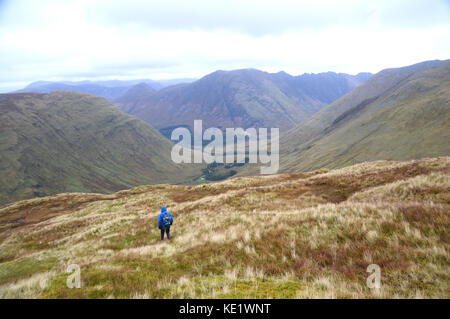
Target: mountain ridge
(108, 89)
(244, 98)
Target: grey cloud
(263, 17)
(65, 40)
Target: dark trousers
(167, 230)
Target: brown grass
(283, 236)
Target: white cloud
(54, 40)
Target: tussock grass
(434, 188)
(285, 236)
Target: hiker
(165, 219)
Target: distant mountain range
(240, 98)
(75, 142)
(397, 114)
(110, 89)
(68, 141)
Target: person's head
(163, 209)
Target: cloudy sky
(107, 39)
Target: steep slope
(309, 235)
(243, 98)
(67, 142)
(397, 114)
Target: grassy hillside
(398, 114)
(283, 236)
(74, 142)
(241, 98)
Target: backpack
(166, 220)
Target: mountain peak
(140, 87)
(240, 98)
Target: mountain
(134, 96)
(242, 98)
(106, 92)
(306, 235)
(75, 142)
(397, 114)
(108, 89)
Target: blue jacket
(160, 218)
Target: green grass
(24, 267)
